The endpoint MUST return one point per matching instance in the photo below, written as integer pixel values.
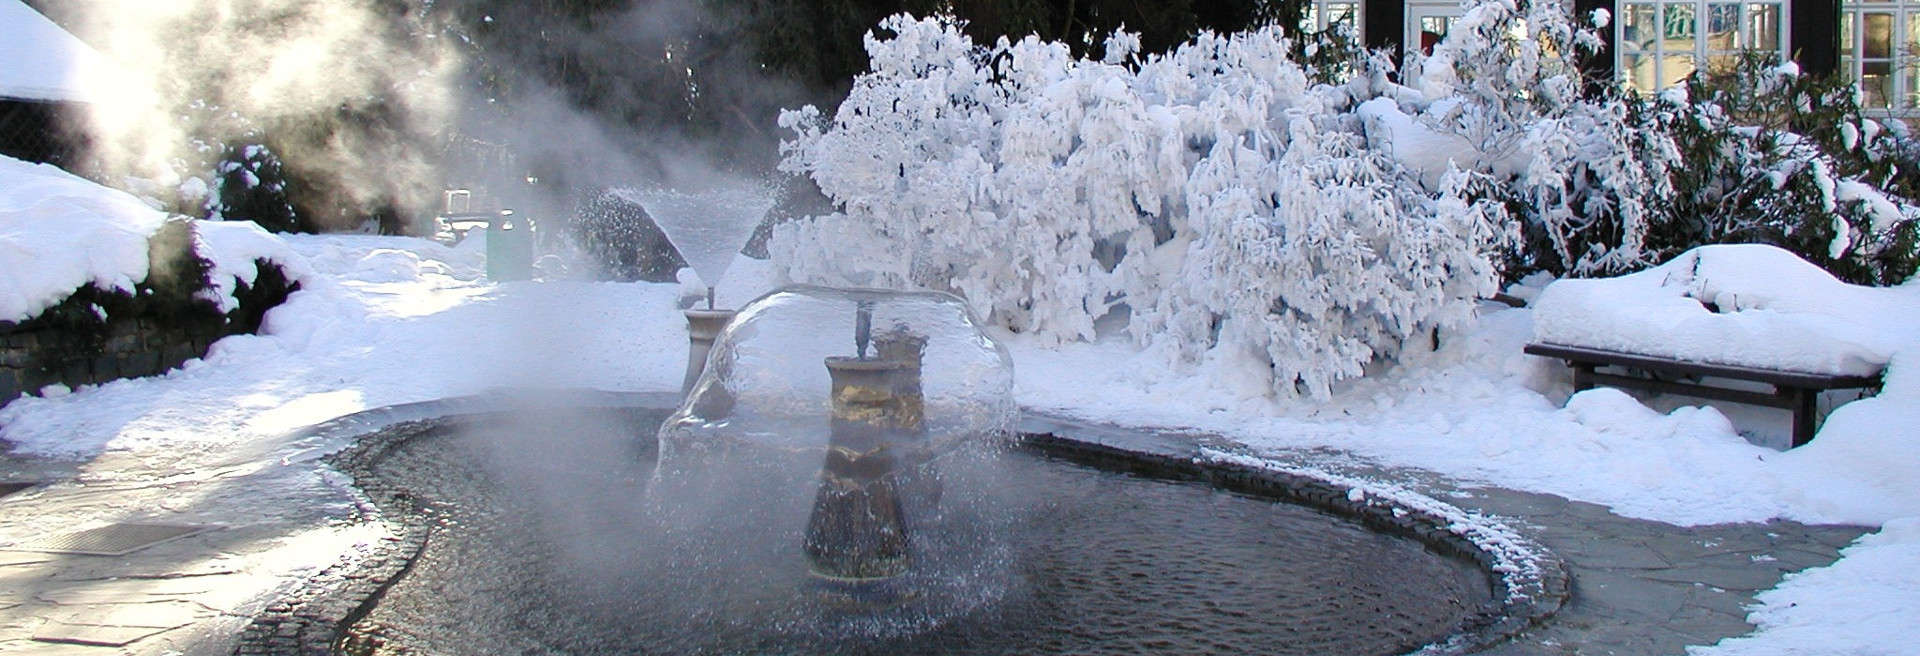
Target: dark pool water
(538, 551)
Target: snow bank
(1774, 311)
(234, 247)
(59, 232)
(1860, 605)
(1750, 305)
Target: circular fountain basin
(530, 512)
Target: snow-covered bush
(1607, 182)
(1503, 94)
(251, 185)
(1258, 215)
(1233, 206)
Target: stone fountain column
(702, 327)
(857, 531)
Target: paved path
(1640, 587)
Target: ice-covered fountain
(708, 227)
(835, 416)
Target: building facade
(1655, 43)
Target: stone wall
(34, 358)
(148, 342)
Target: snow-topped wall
(95, 285)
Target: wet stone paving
(1639, 587)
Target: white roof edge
(44, 61)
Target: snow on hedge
(1750, 305)
(1233, 206)
(235, 249)
(60, 232)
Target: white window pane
(1638, 73)
(1678, 26)
(1912, 50)
(1722, 63)
(1638, 29)
(1876, 87)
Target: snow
(386, 320)
(1237, 210)
(1861, 605)
(381, 321)
(233, 248)
(43, 62)
(1775, 311)
(59, 232)
(104, 234)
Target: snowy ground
(391, 320)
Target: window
(1322, 14)
(1662, 41)
(1880, 48)
(1428, 23)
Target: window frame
(1665, 53)
(1903, 55)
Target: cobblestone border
(1530, 583)
(313, 619)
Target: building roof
(43, 62)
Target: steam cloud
(369, 100)
(192, 75)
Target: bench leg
(1582, 376)
(1804, 409)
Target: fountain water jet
(708, 228)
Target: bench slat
(1696, 391)
(1797, 379)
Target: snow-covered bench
(1735, 312)
(1793, 390)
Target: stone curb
(314, 618)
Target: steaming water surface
(543, 546)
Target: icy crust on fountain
(766, 385)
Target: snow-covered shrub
(250, 185)
(1503, 95)
(1233, 205)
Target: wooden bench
(1796, 391)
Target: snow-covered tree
(1283, 227)
(1231, 204)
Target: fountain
(869, 487)
(843, 477)
(708, 228)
